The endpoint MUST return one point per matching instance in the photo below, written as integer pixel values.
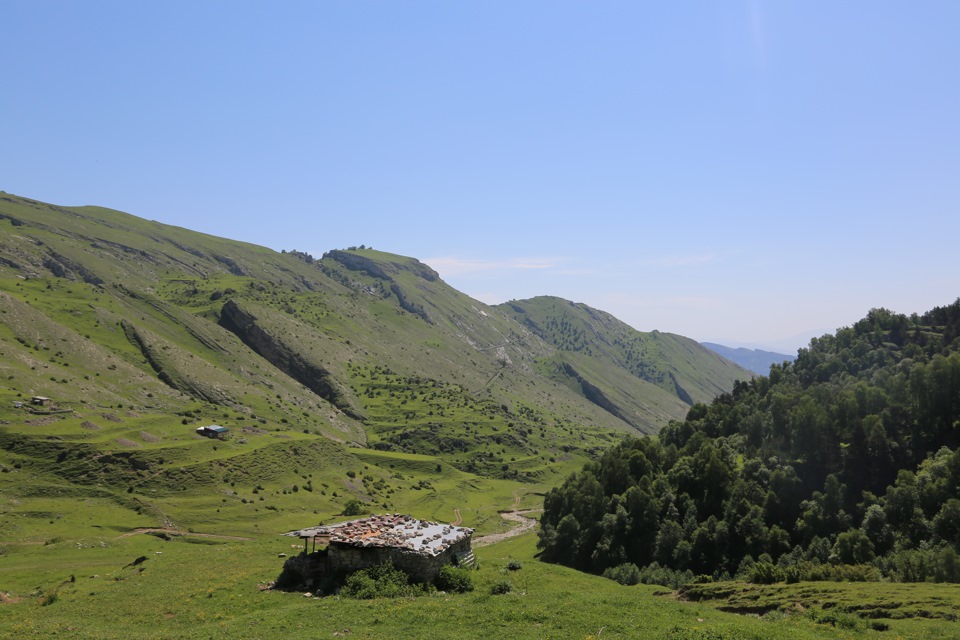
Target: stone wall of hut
(313, 570)
(419, 566)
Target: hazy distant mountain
(756, 360)
(786, 344)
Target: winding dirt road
(525, 524)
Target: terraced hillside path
(177, 532)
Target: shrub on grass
(455, 579)
(514, 565)
(939, 564)
(353, 507)
(685, 633)
(766, 573)
(665, 576)
(626, 573)
(380, 581)
(838, 619)
(500, 588)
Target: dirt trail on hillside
(459, 519)
(525, 524)
(177, 532)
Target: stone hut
(418, 547)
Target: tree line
(843, 464)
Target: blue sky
(741, 171)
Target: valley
(354, 382)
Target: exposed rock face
(420, 567)
(167, 370)
(356, 262)
(232, 265)
(681, 392)
(311, 374)
(596, 396)
(409, 306)
(62, 267)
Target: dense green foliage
(848, 457)
(455, 579)
(386, 581)
(380, 581)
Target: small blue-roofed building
(213, 431)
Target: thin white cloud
(451, 266)
(680, 260)
(631, 302)
(488, 297)
(576, 272)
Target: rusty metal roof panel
(396, 531)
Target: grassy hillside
(194, 587)
(638, 377)
(358, 376)
(101, 308)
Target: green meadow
(198, 587)
(119, 521)
(356, 382)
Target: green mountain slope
(231, 324)
(360, 375)
(639, 377)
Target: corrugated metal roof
(213, 427)
(396, 531)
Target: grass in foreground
(195, 588)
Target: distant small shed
(40, 400)
(213, 431)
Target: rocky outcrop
(407, 305)
(168, 370)
(596, 396)
(62, 267)
(313, 375)
(382, 270)
(680, 391)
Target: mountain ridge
(307, 343)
